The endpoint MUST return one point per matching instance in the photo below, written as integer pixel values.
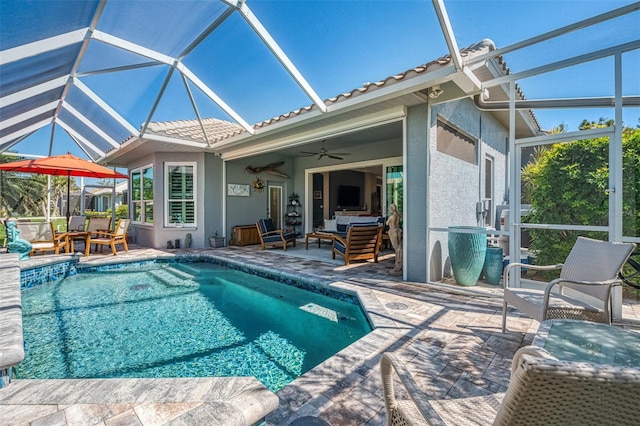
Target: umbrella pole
(68, 197)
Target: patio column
(416, 160)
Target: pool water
(181, 320)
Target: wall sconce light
(435, 91)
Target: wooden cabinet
(244, 235)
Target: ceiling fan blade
(334, 157)
(341, 153)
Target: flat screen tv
(348, 196)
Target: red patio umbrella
(63, 165)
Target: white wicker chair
(591, 268)
(542, 391)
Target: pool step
(174, 277)
(282, 352)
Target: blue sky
(339, 45)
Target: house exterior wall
(247, 210)
(455, 186)
(157, 234)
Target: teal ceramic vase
(492, 270)
(467, 253)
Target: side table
(592, 342)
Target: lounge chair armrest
(389, 364)
(510, 266)
(276, 232)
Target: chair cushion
(272, 238)
(266, 225)
(289, 236)
(363, 224)
(342, 228)
(337, 244)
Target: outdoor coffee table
(584, 341)
(320, 236)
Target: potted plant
(294, 200)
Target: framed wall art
(237, 190)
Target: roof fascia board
(33, 91)
(215, 98)
(301, 138)
(558, 32)
(262, 32)
(27, 115)
(404, 87)
(78, 137)
(102, 104)
(90, 124)
(447, 31)
(132, 47)
(42, 46)
(25, 130)
(576, 60)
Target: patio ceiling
(54, 51)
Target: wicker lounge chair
(361, 243)
(275, 237)
(591, 268)
(542, 391)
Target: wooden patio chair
(542, 391)
(112, 239)
(42, 237)
(276, 237)
(361, 243)
(591, 268)
(97, 226)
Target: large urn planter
(467, 253)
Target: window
(488, 190)
(142, 194)
(180, 194)
(454, 142)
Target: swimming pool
(181, 320)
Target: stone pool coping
(208, 400)
(11, 342)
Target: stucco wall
(455, 185)
(157, 234)
(247, 210)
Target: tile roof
(216, 129)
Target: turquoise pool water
(181, 320)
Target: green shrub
(568, 183)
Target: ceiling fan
(324, 153)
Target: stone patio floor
(449, 336)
